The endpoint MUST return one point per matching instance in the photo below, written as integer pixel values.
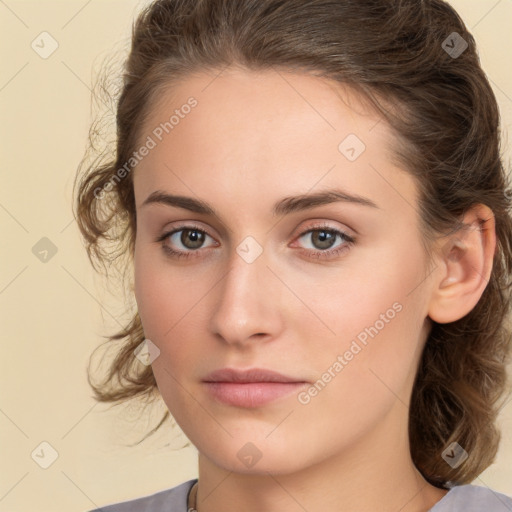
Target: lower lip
(251, 394)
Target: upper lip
(252, 375)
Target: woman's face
(266, 279)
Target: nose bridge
(247, 296)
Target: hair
(447, 125)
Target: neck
(372, 474)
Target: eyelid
(325, 224)
(187, 225)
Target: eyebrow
(282, 207)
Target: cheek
(374, 318)
(149, 296)
(164, 309)
(169, 303)
(161, 298)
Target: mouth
(250, 388)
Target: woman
(313, 198)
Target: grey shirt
(461, 498)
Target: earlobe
(464, 267)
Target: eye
(324, 237)
(191, 238)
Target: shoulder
(473, 498)
(170, 500)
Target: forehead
(251, 133)
(266, 100)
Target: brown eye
(183, 242)
(193, 237)
(323, 239)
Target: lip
(250, 388)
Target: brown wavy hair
(446, 120)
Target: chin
(262, 467)
(257, 457)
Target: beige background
(53, 314)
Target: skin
(253, 139)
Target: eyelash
(317, 254)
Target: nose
(248, 302)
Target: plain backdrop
(54, 312)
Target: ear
(464, 267)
